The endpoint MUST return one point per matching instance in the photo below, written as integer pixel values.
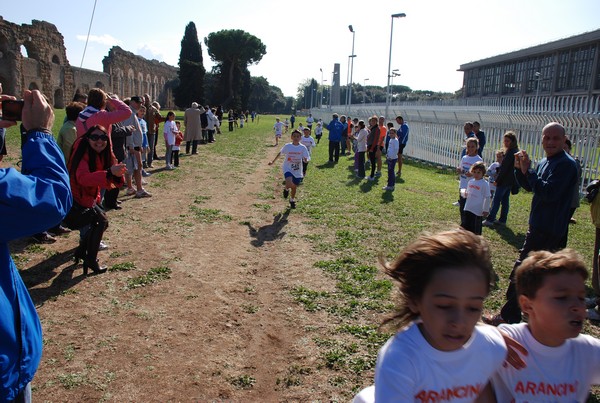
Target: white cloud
(105, 39)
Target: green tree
(191, 69)
(234, 50)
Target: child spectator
(373, 145)
(463, 170)
(392, 157)
(361, 149)
(493, 171)
(177, 145)
(562, 363)
(309, 143)
(295, 154)
(286, 125)
(278, 128)
(169, 132)
(381, 144)
(477, 205)
(439, 352)
(141, 113)
(318, 131)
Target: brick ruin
(47, 68)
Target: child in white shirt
(478, 197)
(493, 171)
(463, 170)
(393, 146)
(309, 143)
(278, 129)
(435, 356)
(295, 154)
(561, 364)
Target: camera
(12, 109)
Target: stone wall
(46, 67)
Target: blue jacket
(552, 185)
(336, 128)
(30, 202)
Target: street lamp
(352, 56)
(365, 90)
(321, 96)
(387, 98)
(322, 93)
(394, 74)
(333, 74)
(538, 77)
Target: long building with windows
(567, 67)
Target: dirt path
(224, 326)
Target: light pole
(538, 77)
(394, 74)
(387, 98)
(321, 96)
(365, 90)
(333, 74)
(352, 56)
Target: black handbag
(592, 190)
(79, 216)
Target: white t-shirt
(553, 374)
(278, 126)
(492, 174)
(309, 121)
(362, 140)
(465, 165)
(309, 143)
(293, 158)
(169, 130)
(319, 130)
(409, 369)
(478, 196)
(393, 148)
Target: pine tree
(191, 70)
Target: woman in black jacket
(504, 182)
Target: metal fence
(437, 136)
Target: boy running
(295, 155)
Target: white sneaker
(370, 178)
(102, 246)
(488, 224)
(456, 204)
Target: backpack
(592, 190)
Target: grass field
(352, 223)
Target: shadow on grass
(326, 165)
(269, 232)
(507, 234)
(44, 272)
(367, 185)
(387, 197)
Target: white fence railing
(436, 130)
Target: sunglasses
(96, 137)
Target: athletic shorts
(145, 140)
(278, 135)
(401, 149)
(131, 163)
(295, 180)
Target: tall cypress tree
(191, 69)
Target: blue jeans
(391, 164)
(501, 197)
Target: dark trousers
(211, 136)
(94, 217)
(110, 198)
(304, 168)
(193, 145)
(391, 165)
(334, 151)
(343, 145)
(205, 136)
(361, 164)
(231, 125)
(461, 207)
(373, 159)
(151, 149)
(534, 240)
(175, 157)
(472, 222)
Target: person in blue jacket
(336, 128)
(31, 201)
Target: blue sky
(429, 45)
